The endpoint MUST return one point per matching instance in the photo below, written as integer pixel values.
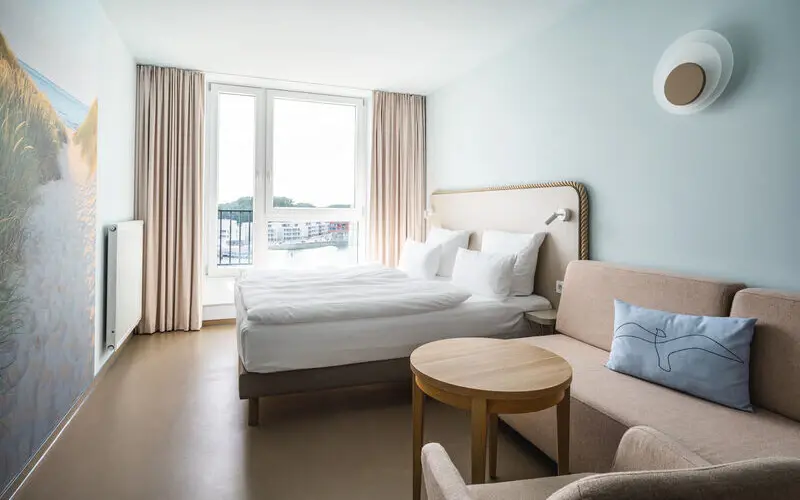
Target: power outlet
(559, 286)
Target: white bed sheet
(351, 292)
(275, 348)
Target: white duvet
(282, 297)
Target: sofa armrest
(442, 479)
(643, 448)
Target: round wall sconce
(693, 72)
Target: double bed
(326, 347)
(300, 346)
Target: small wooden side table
(545, 319)
(489, 377)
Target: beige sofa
(605, 404)
(647, 464)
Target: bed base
(253, 386)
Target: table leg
(562, 411)
(493, 418)
(417, 410)
(479, 417)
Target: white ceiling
(400, 45)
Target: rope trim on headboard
(583, 204)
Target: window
(286, 179)
(236, 149)
(314, 154)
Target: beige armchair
(648, 465)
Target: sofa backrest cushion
(586, 310)
(775, 353)
(762, 478)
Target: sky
(39, 32)
(314, 150)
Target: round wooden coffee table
(489, 377)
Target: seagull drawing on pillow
(665, 347)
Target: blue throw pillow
(705, 356)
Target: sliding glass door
(286, 179)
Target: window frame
(263, 211)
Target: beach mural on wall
(48, 164)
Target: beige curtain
(397, 186)
(170, 105)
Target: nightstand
(545, 319)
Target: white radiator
(123, 280)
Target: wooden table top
(491, 368)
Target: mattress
(275, 348)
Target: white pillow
(450, 241)
(419, 260)
(525, 247)
(483, 273)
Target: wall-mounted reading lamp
(562, 213)
(431, 218)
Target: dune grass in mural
(86, 139)
(31, 136)
(48, 161)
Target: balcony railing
(235, 239)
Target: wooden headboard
(524, 209)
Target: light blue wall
(716, 193)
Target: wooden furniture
(546, 320)
(489, 377)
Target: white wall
(714, 193)
(115, 157)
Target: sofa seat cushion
(579, 355)
(716, 433)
